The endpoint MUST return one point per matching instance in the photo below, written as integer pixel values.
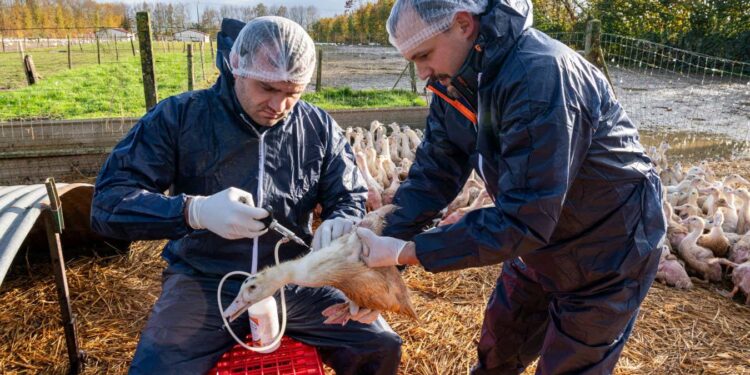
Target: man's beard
(453, 92)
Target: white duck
(743, 216)
(699, 258)
(338, 265)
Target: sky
(327, 8)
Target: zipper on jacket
(480, 158)
(259, 191)
(476, 127)
(479, 103)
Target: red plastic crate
(291, 358)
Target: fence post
(320, 70)
(20, 49)
(98, 54)
(211, 47)
(593, 48)
(190, 66)
(31, 76)
(117, 52)
(147, 59)
(413, 76)
(3, 41)
(132, 45)
(70, 61)
(203, 68)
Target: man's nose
(424, 72)
(277, 103)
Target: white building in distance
(113, 33)
(191, 36)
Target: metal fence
(662, 88)
(669, 89)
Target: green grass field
(113, 88)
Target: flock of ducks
(384, 160)
(708, 217)
(708, 225)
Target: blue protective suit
(200, 143)
(577, 216)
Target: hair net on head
(273, 49)
(413, 21)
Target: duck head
(695, 223)
(742, 193)
(254, 289)
(718, 219)
(735, 179)
(722, 202)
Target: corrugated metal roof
(20, 207)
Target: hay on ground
(696, 331)
(677, 332)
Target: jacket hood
(500, 27)
(230, 29)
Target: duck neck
(730, 201)
(307, 270)
(716, 230)
(692, 237)
(279, 276)
(745, 206)
(693, 200)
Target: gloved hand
(330, 230)
(379, 251)
(230, 213)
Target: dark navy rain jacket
(202, 142)
(575, 196)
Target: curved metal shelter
(20, 210)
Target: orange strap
(456, 104)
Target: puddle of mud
(695, 147)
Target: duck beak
(237, 308)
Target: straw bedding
(678, 331)
(694, 331)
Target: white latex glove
(379, 251)
(225, 214)
(329, 231)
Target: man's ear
(467, 23)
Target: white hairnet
(413, 21)
(273, 49)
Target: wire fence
(667, 90)
(99, 76)
(654, 58)
(96, 75)
(366, 67)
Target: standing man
(577, 216)
(248, 138)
